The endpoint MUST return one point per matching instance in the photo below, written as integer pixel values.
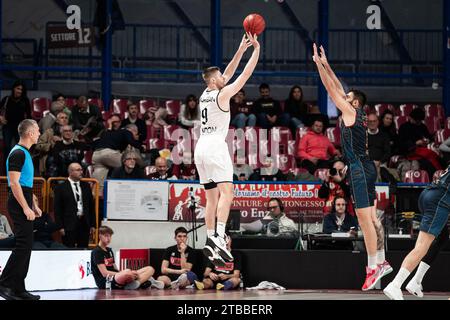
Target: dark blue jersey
(354, 138)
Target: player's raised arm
(227, 92)
(234, 63)
(335, 94)
(336, 82)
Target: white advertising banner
(137, 200)
(56, 270)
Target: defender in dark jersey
(434, 204)
(361, 170)
(23, 208)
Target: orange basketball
(254, 24)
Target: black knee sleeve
(210, 185)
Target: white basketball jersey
(215, 122)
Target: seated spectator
(387, 125)
(134, 118)
(108, 150)
(104, 268)
(50, 118)
(379, 146)
(444, 147)
(241, 111)
(296, 108)
(339, 220)
(163, 172)
(7, 239)
(414, 138)
(128, 170)
(315, 150)
(87, 119)
(241, 172)
(177, 263)
(48, 139)
(43, 229)
(268, 172)
(277, 223)
(336, 185)
(268, 111)
(62, 100)
(74, 209)
(189, 115)
(65, 152)
(226, 277)
(114, 122)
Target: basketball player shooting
(361, 170)
(211, 152)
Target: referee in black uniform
(23, 208)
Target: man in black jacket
(87, 118)
(74, 209)
(128, 170)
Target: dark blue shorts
(362, 176)
(434, 204)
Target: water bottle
(108, 282)
(241, 284)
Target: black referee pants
(16, 269)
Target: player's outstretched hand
(253, 40)
(316, 57)
(323, 56)
(245, 44)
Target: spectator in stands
(378, 142)
(128, 170)
(149, 117)
(13, 109)
(48, 140)
(75, 209)
(315, 114)
(226, 277)
(267, 172)
(115, 122)
(65, 152)
(109, 148)
(444, 148)
(50, 118)
(387, 125)
(7, 239)
(315, 150)
(242, 171)
(104, 268)
(414, 138)
(189, 115)
(335, 185)
(134, 118)
(163, 172)
(87, 118)
(339, 220)
(276, 222)
(241, 111)
(177, 263)
(43, 229)
(296, 108)
(268, 110)
(62, 100)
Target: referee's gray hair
(25, 126)
(131, 126)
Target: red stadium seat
(395, 160)
(282, 136)
(434, 110)
(382, 107)
(442, 135)
(405, 109)
(173, 109)
(367, 109)
(399, 121)
(96, 102)
(301, 132)
(285, 163)
(39, 105)
(119, 106)
(90, 171)
(334, 135)
(416, 176)
(433, 124)
(433, 147)
(144, 105)
(70, 102)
